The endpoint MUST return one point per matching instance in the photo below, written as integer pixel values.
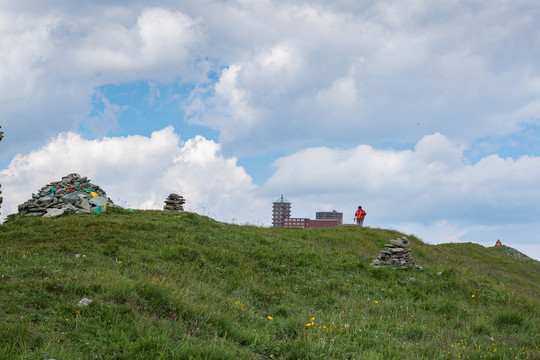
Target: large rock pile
(396, 254)
(71, 194)
(174, 202)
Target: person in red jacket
(359, 216)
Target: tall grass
(169, 285)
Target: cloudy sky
(426, 113)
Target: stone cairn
(174, 202)
(1, 199)
(71, 194)
(396, 254)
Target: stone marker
(71, 194)
(396, 254)
(174, 202)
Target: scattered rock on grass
(84, 302)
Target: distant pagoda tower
(281, 210)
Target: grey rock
(71, 198)
(400, 242)
(84, 195)
(85, 205)
(34, 214)
(84, 302)
(46, 199)
(98, 201)
(54, 213)
(69, 208)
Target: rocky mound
(71, 194)
(396, 254)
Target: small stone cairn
(71, 194)
(174, 202)
(396, 254)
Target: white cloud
(390, 71)
(139, 172)
(152, 48)
(301, 74)
(342, 94)
(51, 64)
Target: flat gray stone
(71, 198)
(85, 205)
(44, 199)
(34, 214)
(399, 242)
(84, 195)
(69, 208)
(98, 201)
(84, 302)
(53, 213)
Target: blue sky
(426, 113)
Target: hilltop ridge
(176, 285)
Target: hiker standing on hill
(359, 216)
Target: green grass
(171, 285)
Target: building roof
(281, 200)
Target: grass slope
(170, 285)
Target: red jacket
(360, 214)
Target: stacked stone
(395, 254)
(174, 202)
(71, 194)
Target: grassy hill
(170, 285)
